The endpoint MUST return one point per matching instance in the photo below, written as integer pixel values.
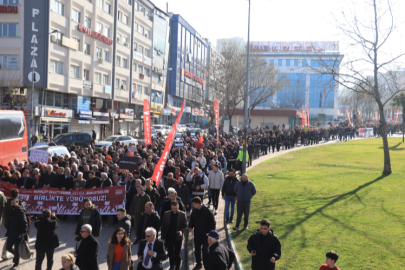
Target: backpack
(24, 250)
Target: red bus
(13, 137)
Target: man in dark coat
(17, 227)
(47, 239)
(89, 215)
(183, 192)
(49, 178)
(152, 192)
(87, 253)
(149, 218)
(105, 181)
(93, 181)
(66, 181)
(202, 221)
(264, 247)
(25, 181)
(124, 221)
(171, 197)
(151, 252)
(218, 256)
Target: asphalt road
(67, 244)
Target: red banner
(158, 172)
(146, 122)
(69, 202)
(216, 110)
(201, 140)
(396, 118)
(348, 116)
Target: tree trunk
(383, 126)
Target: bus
(13, 136)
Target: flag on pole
(216, 110)
(396, 118)
(309, 121)
(391, 114)
(201, 140)
(146, 122)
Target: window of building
(57, 7)
(99, 27)
(87, 22)
(147, 52)
(107, 56)
(124, 40)
(105, 79)
(136, 5)
(98, 78)
(147, 72)
(118, 60)
(146, 90)
(57, 35)
(75, 16)
(139, 89)
(8, 61)
(118, 38)
(140, 69)
(271, 62)
(86, 48)
(78, 42)
(119, 15)
(135, 47)
(280, 62)
(134, 64)
(99, 53)
(124, 85)
(8, 2)
(74, 72)
(141, 29)
(107, 8)
(157, 97)
(86, 74)
(304, 63)
(8, 29)
(140, 49)
(147, 34)
(124, 63)
(128, 2)
(125, 19)
(107, 32)
(56, 67)
(296, 63)
(287, 63)
(99, 3)
(117, 83)
(135, 27)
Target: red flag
(302, 118)
(309, 121)
(391, 114)
(348, 116)
(157, 174)
(396, 118)
(201, 140)
(216, 110)
(146, 122)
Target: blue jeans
(116, 265)
(229, 200)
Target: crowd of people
(196, 169)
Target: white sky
(283, 20)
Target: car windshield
(157, 127)
(193, 130)
(110, 139)
(178, 135)
(153, 130)
(58, 138)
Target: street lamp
(246, 107)
(33, 80)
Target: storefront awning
(104, 122)
(55, 119)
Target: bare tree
(12, 97)
(371, 37)
(292, 95)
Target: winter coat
(152, 221)
(217, 257)
(228, 188)
(126, 256)
(94, 221)
(202, 221)
(245, 192)
(125, 223)
(215, 179)
(266, 247)
(47, 238)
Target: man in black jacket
(25, 181)
(89, 215)
(124, 221)
(47, 239)
(151, 252)
(17, 228)
(152, 192)
(149, 218)
(66, 181)
(202, 221)
(49, 178)
(264, 247)
(229, 195)
(218, 256)
(93, 181)
(105, 181)
(87, 253)
(183, 192)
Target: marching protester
(68, 262)
(137, 208)
(151, 252)
(215, 180)
(264, 247)
(171, 197)
(124, 221)
(87, 253)
(244, 190)
(89, 215)
(149, 218)
(47, 239)
(119, 250)
(229, 195)
(218, 255)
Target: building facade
(302, 66)
(91, 62)
(187, 71)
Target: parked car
(193, 131)
(181, 128)
(153, 132)
(178, 135)
(52, 150)
(78, 138)
(163, 129)
(109, 141)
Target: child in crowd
(331, 258)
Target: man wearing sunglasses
(151, 251)
(87, 253)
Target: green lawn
(332, 197)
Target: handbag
(24, 250)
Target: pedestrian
(17, 228)
(151, 251)
(34, 140)
(137, 208)
(174, 225)
(6, 215)
(264, 247)
(119, 251)
(87, 253)
(216, 180)
(331, 259)
(183, 192)
(89, 215)
(244, 190)
(218, 256)
(229, 195)
(47, 239)
(149, 218)
(124, 221)
(171, 197)
(202, 221)
(68, 262)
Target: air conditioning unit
(100, 60)
(53, 39)
(126, 44)
(123, 87)
(146, 35)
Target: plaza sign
(294, 46)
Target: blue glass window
(324, 63)
(292, 95)
(287, 63)
(321, 91)
(280, 62)
(271, 62)
(295, 63)
(304, 63)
